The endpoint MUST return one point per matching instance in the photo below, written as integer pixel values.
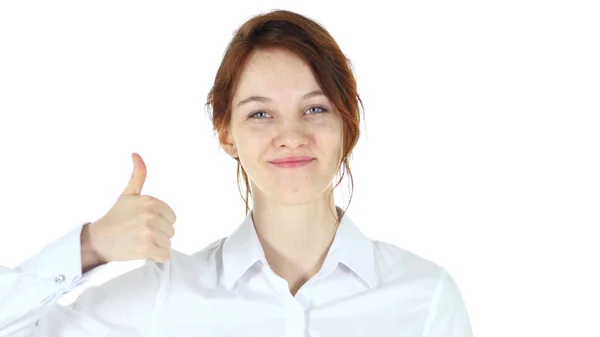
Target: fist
(136, 227)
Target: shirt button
(60, 279)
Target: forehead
(275, 69)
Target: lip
(291, 159)
(290, 162)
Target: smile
(292, 164)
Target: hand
(136, 227)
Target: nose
(291, 134)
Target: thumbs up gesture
(136, 227)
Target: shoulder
(207, 255)
(401, 269)
(200, 267)
(396, 264)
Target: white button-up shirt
(364, 288)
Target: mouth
(292, 163)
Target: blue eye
(256, 113)
(319, 107)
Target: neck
(295, 238)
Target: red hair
(311, 42)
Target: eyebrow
(266, 99)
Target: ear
(228, 145)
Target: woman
(285, 106)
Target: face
(279, 112)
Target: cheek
(251, 142)
(334, 131)
(330, 139)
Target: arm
(136, 227)
(30, 292)
(448, 316)
(39, 281)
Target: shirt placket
(295, 319)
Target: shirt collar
(242, 249)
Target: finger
(138, 177)
(162, 241)
(165, 211)
(160, 208)
(165, 227)
(161, 255)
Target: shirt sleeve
(29, 295)
(39, 281)
(448, 315)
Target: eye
(257, 113)
(323, 109)
(263, 115)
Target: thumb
(138, 177)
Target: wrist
(89, 255)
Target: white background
(481, 150)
